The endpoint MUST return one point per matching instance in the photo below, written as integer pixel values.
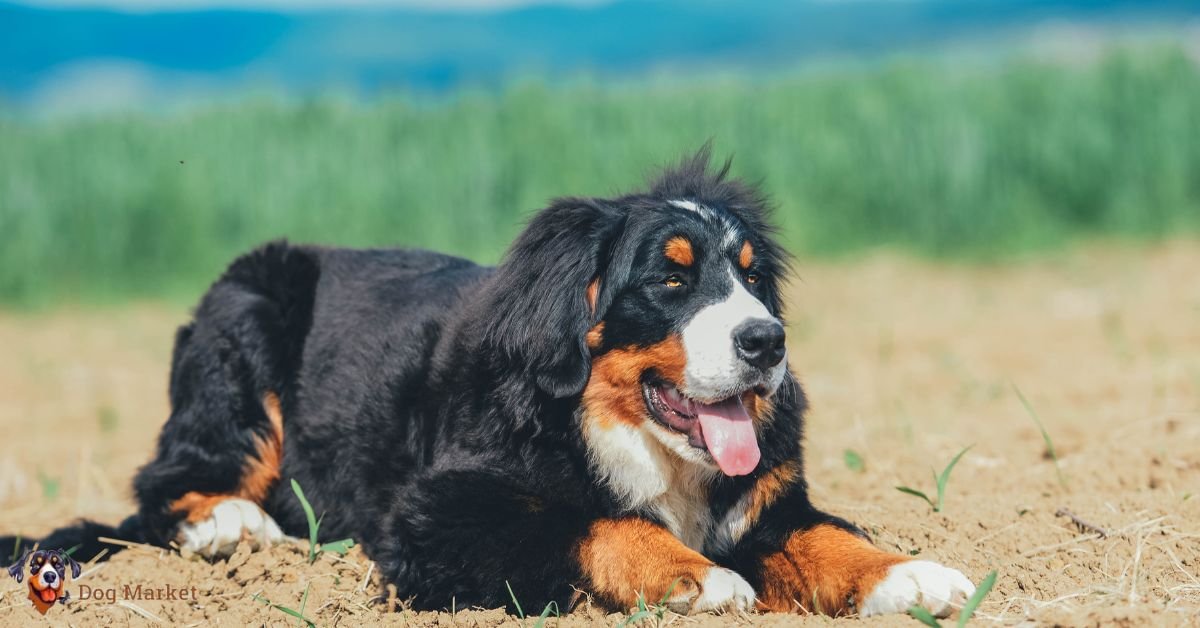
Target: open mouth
(724, 429)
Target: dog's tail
(81, 540)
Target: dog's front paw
(231, 521)
(938, 589)
(723, 590)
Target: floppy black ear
(75, 568)
(539, 309)
(18, 569)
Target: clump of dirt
(905, 363)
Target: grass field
(905, 362)
(972, 161)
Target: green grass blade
(945, 476)
(968, 609)
(283, 609)
(854, 461)
(1062, 480)
(513, 596)
(313, 525)
(17, 547)
(669, 591)
(338, 547)
(304, 604)
(635, 618)
(925, 617)
(916, 493)
(294, 613)
(551, 607)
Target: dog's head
(47, 572)
(661, 310)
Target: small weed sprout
(314, 524)
(985, 586)
(940, 481)
(49, 485)
(298, 614)
(1062, 480)
(854, 461)
(643, 612)
(552, 607)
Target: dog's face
(689, 347)
(659, 312)
(47, 570)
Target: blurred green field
(979, 161)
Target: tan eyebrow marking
(679, 250)
(746, 256)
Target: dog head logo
(47, 576)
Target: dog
(47, 576)
(608, 411)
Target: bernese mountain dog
(608, 411)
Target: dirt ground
(905, 362)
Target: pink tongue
(729, 435)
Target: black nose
(49, 577)
(759, 342)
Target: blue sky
(299, 5)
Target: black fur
(431, 406)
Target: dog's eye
(673, 281)
(751, 277)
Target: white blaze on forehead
(727, 223)
(714, 370)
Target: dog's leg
(466, 537)
(220, 452)
(801, 559)
(625, 559)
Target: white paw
(219, 534)
(919, 583)
(723, 590)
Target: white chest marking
(644, 475)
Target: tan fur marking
(823, 569)
(593, 293)
(622, 558)
(614, 388)
(768, 488)
(259, 473)
(761, 409)
(746, 256)
(595, 336)
(679, 250)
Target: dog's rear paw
(938, 589)
(230, 522)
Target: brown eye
(674, 281)
(751, 277)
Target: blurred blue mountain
(52, 51)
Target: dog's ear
(75, 568)
(18, 569)
(539, 306)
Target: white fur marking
(219, 534)
(938, 589)
(638, 467)
(724, 590)
(730, 226)
(689, 205)
(733, 525)
(714, 371)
